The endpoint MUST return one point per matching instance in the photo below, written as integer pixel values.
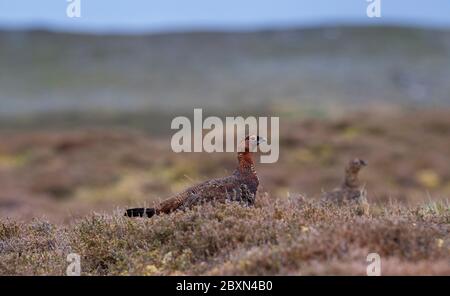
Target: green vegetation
(60, 72)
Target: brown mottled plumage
(350, 191)
(240, 186)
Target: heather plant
(277, 236)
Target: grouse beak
(363, 162)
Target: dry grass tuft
(277, 236)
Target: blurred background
(86, 103)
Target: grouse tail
(140, 212)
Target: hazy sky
(160, 15)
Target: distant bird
(351, 190)
(240, 186)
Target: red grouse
(350, 190)
(240, 186)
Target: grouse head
(250, 143)
(355, 165)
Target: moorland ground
(64, 190)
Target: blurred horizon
(139, 16)
(225, 56)
(316, 68)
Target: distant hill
(47, 71)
